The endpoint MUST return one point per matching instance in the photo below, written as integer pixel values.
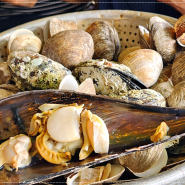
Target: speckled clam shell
(178, 68)
(146, 64)
(106, 81)
(177, 98)
(143, 97)
(164, 40)
(31, 70)
(106, 41)
(69, 47)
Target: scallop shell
(141, 161)
(125, 52)
(69, 47)
(164, 40)
(33, 71)
(16, 34)
(26, 42)
(106, 40)
(176, 98)
(178, 74)
(146, 64)
(142, 97)
(55, 25)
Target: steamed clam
(144, 38)
(69, 47)
(146, 64)
(14, 151)
(106, 40)
(55, 25)
(31, 70)
(108, 77)
(23, 39)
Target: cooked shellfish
(144, 38)
(14, 151)
(69, 47)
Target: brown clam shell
(69, 47)
(106, 41)
(180, 26)
(5, 75)
(178, 68)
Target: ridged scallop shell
(106, 40)
(26, 42)
(178, 67)
(146, 64)
(55, 25)
(69, 47)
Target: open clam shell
(133, 124)
(144, 38)
(180, 26)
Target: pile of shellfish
(92, 62)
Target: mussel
(129, 125)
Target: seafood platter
(93, 97)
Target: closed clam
(31, 70)
(178, 67)
(176, 98)
(55, 25)
(147, 162)
(146, 64)
(106, 41)
(96, 175)
(164, 40)
(69, 47)
(26, 42)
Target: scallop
(15, 151)
(69, 47)
(106, 41)
(146, 64)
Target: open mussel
(129, 125)
(108, 77)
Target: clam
(69, 47)
(14, 151)
(15, 34)
(31, 70)
(147, 162)
(178, 68)
(108, 77)
(176, 98)
(142, 97)
(129, 125)
(5, 75)
(55, 25)
(164, 40)
(106, 40)
(144, 38)
(180, 26)
(146, 64)
(125, 52)
(97, 175)
(7, 90)
(26, 42)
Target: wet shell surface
(69, 47)
(180, 26)
(55, 25)
(164, 40)
(176, 98)
(178, 68)
(26, 42)
(106, 41)
(106, 80)
(142, 97)
(31, 70)
(144, 38)
(146, 64)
